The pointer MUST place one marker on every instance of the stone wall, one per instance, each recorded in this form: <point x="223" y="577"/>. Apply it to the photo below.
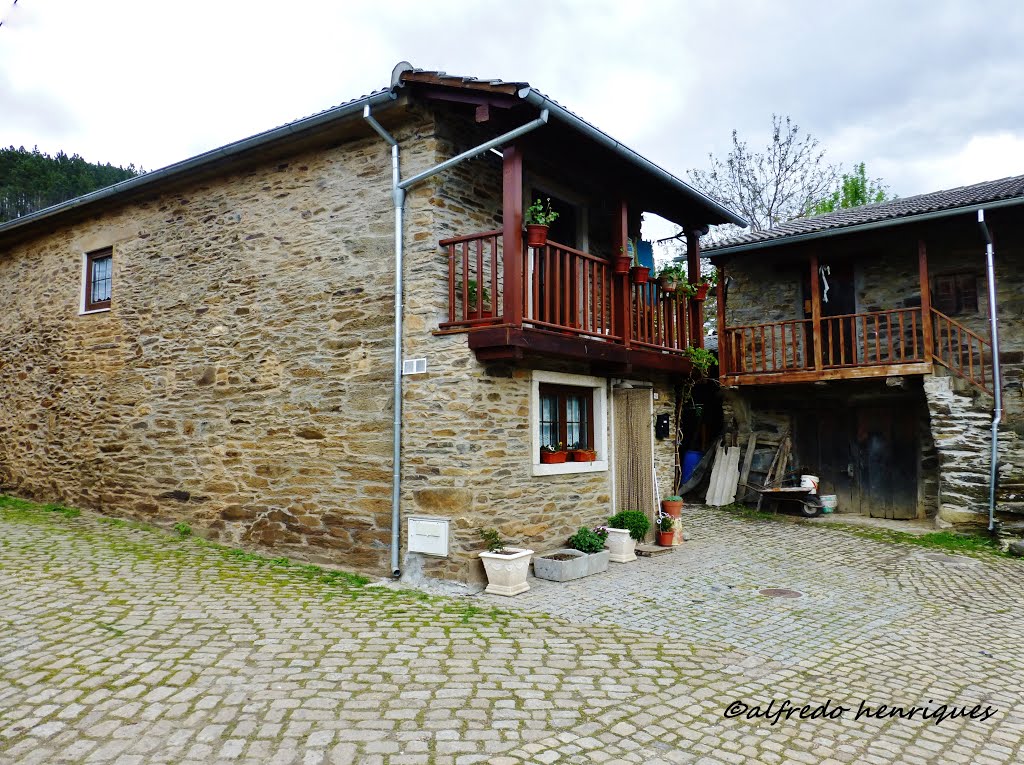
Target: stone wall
<point x="240" y="382"/>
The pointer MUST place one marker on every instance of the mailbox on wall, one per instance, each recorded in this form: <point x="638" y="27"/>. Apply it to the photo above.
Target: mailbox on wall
<point x="429" y="536"/>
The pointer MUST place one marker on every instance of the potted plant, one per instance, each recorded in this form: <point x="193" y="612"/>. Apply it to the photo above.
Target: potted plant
<point x="671" y="276"/>
<point x="471" y="300"/>
<point x="621" y="262"/>
<point x="506" y="567"/>
<point x="539" y="218"/>
<point x="585" y="555"/>
<point x="701" y="359"/>
<point x="705" y="284"/>
<point x="639" y="274"/>
<point x="672" y="505"/>
<point x="552" y="454"/>
<point x="582" y="455"/>
<point x="625" y="529"/>
<point x="666" y="530"/>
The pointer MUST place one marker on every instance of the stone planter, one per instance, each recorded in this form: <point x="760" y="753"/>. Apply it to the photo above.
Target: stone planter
<point x="621" y="546"/>
<point x="580" y="566"/>
<point x="507" y="570"/>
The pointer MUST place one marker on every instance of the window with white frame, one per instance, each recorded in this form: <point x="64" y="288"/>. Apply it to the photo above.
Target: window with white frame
<point x="568" y="412"/>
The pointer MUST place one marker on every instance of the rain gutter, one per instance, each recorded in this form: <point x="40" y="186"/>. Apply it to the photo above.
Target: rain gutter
<point x="398" y="190"/>
<point x="541" y="101"/>
<point x="199" y="162"/>
<point x="842" y="231"/>
<point x="997" y="411"/>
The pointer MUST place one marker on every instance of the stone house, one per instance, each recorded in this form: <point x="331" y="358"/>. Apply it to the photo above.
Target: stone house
<point x="215" y="342"/>
<point x="864" y="335"/>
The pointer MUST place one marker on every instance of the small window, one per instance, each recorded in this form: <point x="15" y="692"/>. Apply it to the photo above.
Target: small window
<point x="98" y="272"/>
<point x="566" y="416"/>
<point x="956" y="294"/>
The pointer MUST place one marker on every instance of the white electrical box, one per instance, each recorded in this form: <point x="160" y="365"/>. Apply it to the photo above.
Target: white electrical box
<point x="429" y="536"/>
<point x="414" y="366"/>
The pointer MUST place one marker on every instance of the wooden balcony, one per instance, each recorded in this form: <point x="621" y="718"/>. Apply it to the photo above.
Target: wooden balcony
<point x="557" y="301"/>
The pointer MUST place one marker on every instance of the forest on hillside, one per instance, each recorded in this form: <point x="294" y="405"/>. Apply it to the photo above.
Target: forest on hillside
<point x="32" y="180"/>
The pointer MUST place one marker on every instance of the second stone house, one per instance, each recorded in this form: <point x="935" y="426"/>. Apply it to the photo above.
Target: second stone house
<point x="215" y="342"/>
<point x="864" y="336"/>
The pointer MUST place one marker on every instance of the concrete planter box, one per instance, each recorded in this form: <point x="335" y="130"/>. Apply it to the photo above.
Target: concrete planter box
<point x="580" y="566"/>
<point x="621" y="545"/>
<point x="506" y="571"/>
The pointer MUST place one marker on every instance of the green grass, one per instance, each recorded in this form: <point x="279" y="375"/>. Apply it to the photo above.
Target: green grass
<point x="183" y="529"/>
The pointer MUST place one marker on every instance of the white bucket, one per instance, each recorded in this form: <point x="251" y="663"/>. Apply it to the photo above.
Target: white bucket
<point x="810" y="482"/>
<point x="829" y="503"/>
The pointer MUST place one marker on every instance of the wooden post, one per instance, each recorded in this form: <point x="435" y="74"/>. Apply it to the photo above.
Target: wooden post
<point x="926" y="301"/>
<point x="513" y="254"/>
<point x="695" y="316"/>
<point x="622" y="294"/>
<point x="723" y="341"/>
<point x="816" y="312"/>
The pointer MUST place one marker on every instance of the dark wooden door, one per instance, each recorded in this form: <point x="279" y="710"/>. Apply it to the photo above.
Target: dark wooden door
<point x="886" y="464"/>
<point x="837" y="329"/>
<point x="824" y="446"/>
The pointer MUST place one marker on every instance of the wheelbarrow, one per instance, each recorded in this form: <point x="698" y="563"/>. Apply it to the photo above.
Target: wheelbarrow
<point x="810" y="502"/>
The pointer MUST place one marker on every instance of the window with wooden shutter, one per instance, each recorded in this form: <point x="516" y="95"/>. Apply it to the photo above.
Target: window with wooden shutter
<point x="954" y="294"/>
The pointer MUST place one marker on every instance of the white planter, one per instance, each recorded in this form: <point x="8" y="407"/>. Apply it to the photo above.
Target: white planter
<point x="564" y="570"/>
<point x="621" y="545"/>
<point x="507" y="570"/>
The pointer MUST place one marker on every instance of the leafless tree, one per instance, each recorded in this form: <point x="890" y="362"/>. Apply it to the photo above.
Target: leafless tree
<point x="782" y="182"/>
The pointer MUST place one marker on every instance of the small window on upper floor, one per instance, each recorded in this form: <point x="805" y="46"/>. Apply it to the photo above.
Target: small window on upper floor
<point x="99" y="269"/>
<point x="955" y="294"/>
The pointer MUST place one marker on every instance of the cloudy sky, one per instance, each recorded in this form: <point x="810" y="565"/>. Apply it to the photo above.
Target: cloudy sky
<point x="929" y="94"/>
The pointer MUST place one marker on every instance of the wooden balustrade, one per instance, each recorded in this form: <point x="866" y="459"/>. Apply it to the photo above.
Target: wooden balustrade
<point x="567" y="289"/>
<point x="850" y="341"/>
<point x="474" y="279"/>
<point x="965" y="353"/>
<point x="658" y="318"/>
<point x="779" y="346"/>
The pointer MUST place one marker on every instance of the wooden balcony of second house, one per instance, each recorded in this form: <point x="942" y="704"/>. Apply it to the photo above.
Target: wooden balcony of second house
<point x="560" y="302"/>
<point x="878" y="343"/>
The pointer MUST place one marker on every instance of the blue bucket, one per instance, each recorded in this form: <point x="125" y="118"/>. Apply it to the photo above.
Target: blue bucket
<point x="690" y="460"/>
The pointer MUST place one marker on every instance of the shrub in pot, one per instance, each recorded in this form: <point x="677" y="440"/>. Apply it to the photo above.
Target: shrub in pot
<point x="539" y="218"/>
<point x="506" y="567"/>
<point x="666" y="530"/>
<point x="585" y="555"/>
<point x="625" y="529"/>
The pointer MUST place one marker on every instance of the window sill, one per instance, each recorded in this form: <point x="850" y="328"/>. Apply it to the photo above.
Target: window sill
<point x="94" y="310"/>
<point x="563" y="468"/>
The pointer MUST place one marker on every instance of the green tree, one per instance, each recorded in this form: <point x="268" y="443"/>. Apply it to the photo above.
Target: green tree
<point x="853" y="190"/>
<point x="32" y="180"/>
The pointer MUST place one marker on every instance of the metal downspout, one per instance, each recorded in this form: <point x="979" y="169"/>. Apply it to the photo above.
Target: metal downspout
<point x="398" y="189"/>
<point x="997" y="412"/>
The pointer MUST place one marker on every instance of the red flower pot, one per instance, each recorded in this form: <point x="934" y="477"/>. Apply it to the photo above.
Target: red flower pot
<point x="666" y="538"/>
<point x="536" y="235"/>
<point x="702" y="292"/>
<point x="583" y="455"/>
<point x="640" y="274"/>
<point x="675" y="509"/>
<point x="620" y="264"/>
<point x="552" y="458"/>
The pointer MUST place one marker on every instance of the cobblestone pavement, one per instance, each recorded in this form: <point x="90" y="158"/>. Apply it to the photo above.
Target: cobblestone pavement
<point x="123" y="645"/>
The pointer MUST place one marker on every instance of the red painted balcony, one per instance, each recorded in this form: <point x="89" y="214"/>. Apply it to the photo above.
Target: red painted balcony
<point x="565" y="303"/>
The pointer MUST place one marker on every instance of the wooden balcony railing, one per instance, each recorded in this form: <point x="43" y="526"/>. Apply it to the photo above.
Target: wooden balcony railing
<point x="963" y="352"/>
<point x="564" y="290"/>
<point x="659" y="318"/>
<point x="857" y="341"/>
<point x="474" y="279"/>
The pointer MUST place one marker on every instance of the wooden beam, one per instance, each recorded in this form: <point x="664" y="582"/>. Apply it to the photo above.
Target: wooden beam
<point x="816" y="312"/>
<point x="926" y="299"/>
<point x="622" y="292"/>
<point x="723" y="340"/>
<point x="695" y="315"/>
<point x="512" y="234"/>
<point x="847" y="373"/>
